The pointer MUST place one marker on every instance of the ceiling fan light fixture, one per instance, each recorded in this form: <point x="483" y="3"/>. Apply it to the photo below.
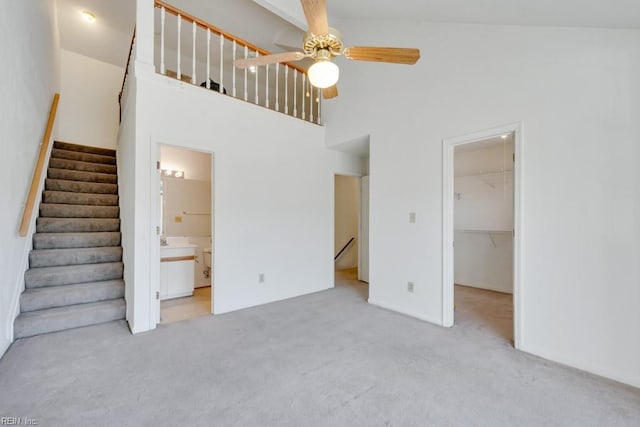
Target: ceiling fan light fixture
<point x="323" y="74"/>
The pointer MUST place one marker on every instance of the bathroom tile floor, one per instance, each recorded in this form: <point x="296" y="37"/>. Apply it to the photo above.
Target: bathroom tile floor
<point x="174" y="310"/>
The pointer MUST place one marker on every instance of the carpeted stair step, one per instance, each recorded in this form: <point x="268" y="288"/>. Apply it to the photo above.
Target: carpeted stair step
<point x="74" y="256"/>
<point x="54" y="210"/>
<point x="70" y="274"/>
<point x="81" y="166"/>
<point x="84" y="148"/>
<point x="73" y="316"/>
<point x="87" y="199"/>
<point x="80" y="186"/>
<point x="75" y="240"/>
<point x="76" y="225"/>
<point x="82" y="157"/>
<point x="79" y="293"/>
<point x="72" y="175"/>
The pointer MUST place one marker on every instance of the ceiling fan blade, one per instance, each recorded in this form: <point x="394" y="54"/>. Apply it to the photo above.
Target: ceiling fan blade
<point x="330" y="92"/>
<point x="316" y="13"/>
<point x="269" y="59"/>
<point x="395" y="55"/>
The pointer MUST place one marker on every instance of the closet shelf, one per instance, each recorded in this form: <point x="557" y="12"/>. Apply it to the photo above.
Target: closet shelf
<point x="495" y="173"/>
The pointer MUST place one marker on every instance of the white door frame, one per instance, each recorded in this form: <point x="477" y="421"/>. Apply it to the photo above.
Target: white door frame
<point x="448" y="146"/>
<point x="154" y="268"/>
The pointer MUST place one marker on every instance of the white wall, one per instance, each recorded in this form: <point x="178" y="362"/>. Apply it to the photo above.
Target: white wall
<point x="483" y="216"/>
<point x="577" y="94"/>
<point x="272" y="194"/>
<point x="347" y="203"/>
<point x="89" y="113"/>
<point x="30" y="61"/>
<point x="195" y="164"/>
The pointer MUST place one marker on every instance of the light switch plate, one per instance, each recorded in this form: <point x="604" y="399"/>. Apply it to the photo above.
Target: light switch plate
<point x="412" y="217"/>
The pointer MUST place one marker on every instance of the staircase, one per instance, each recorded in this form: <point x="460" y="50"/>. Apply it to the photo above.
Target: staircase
<point x="75" y="268"/>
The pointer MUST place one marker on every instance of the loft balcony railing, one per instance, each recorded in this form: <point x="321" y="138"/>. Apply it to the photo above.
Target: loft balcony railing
<point x="196" y="52"/>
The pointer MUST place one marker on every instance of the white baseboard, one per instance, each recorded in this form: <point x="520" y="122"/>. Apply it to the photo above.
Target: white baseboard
<point x="581" y="365"/>
<point x="397" y="309"/>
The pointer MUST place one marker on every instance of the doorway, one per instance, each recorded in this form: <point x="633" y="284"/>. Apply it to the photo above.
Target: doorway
<point x="481" y="184"/>
<point x="351" y="233"/>
<point x="186" y="254"/>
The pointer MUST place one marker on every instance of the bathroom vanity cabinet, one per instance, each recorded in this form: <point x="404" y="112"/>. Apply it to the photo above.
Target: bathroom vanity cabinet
<point x="177" y="264"/>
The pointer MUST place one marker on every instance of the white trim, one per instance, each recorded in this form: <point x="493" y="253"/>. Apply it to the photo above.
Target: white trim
<point x="448" y="146"/>
<point x="154" y="220"/>
<point x="401" y="310"/>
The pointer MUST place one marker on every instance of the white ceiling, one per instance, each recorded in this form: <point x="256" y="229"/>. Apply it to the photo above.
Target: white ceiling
<point x="109" y="37"/>
<point x="570" y="13"/>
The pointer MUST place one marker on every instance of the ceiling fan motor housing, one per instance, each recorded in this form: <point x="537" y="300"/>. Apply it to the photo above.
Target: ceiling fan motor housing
<point x="314" y="44"/>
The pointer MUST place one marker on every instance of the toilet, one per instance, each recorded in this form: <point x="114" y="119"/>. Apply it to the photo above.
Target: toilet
<point x="207" y="258"/>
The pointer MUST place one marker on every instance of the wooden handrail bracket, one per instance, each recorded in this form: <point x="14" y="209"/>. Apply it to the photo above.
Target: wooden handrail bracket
<point x="38" y="171"/>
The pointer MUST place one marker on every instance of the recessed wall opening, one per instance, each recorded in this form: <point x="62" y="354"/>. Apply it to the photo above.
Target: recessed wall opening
<point x="351" y="248"/>
<point x="481" y="232"/>
<point x="186" y="267"/>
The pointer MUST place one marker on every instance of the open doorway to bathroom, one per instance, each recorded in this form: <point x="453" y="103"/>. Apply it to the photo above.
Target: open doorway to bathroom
<point x="351" y="233"/>
<point x="186" y="267"/>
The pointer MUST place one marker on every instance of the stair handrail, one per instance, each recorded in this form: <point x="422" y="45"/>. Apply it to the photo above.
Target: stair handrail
<point x="344" y="248"/>
<point x="37" y="173"/>
<point x="126" y="71"/>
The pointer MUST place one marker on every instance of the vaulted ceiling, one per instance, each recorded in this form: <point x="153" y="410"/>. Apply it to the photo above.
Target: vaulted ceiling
<point x="108" y="38"/>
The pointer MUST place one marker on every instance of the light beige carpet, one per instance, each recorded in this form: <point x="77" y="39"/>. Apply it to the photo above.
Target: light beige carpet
<point x="326" y="359"/>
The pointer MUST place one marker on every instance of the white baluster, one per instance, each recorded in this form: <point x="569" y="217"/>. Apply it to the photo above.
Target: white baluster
<point x="208" y="82"/>
<point x="234" y="69"/>
<point x="256" y="80"/>
<point x="286" y="89"/>
<point x="193" y="59"/>
<point x="163" y="14"/>
<point x="295" y="92"/>
<point x="277" y="85"/>
<point x="266" y="86"/>
<point x="304" y="87"/>
<point x="310" y="102"/>
<point x="220" y="85"/>
<point x="179" y="70"/>
<point x="246" y="92"/>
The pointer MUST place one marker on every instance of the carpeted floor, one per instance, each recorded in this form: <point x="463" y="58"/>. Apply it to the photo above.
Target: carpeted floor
<point x="327" y="359"/>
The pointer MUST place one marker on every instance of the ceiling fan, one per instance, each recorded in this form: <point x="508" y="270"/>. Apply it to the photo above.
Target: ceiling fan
<point x="322" y="43"/>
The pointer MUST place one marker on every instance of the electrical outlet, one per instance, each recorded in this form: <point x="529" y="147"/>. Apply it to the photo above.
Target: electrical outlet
<point x="412" y="217"/>
<point x="410" y="287"/>
<point x="261" y="278"/>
